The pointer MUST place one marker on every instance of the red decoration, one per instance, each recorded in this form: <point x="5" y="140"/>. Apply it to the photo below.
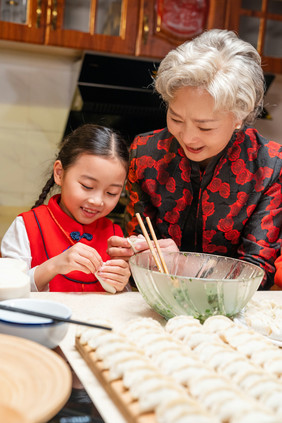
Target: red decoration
<point x="182" y="18"/>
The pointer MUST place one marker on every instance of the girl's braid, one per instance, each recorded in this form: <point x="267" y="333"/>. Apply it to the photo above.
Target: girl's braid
<point x="49" y="184"/>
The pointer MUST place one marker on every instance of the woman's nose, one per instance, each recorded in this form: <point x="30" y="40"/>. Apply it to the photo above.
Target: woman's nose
<point x="189" y="135"/>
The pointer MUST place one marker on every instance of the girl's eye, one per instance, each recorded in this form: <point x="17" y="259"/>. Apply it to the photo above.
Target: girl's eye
<point x="112" y="194"/>
<point x="84" y="186"/>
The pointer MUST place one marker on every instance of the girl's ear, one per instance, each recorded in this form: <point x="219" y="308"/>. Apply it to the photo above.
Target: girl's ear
<point x="58" y="172"/>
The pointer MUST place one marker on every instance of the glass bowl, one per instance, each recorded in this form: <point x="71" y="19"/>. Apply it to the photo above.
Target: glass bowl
<point x="198" y="284"/>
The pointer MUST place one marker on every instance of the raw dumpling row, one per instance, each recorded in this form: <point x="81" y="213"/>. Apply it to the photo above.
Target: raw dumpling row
<point x="172" y="371"/>
<point x="246" y="358"/>
<point x="146" y="382"/>
<point x="189" y="366"/>
<point x="265" y="317"/>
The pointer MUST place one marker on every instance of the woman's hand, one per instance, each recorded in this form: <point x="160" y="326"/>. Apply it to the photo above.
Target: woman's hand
<point x="140" y="244"/>
<point x="119" y="248"/>
<point x="168" y="245"/>
<point x="115" y="272"/>
<point x="79" y="257"/>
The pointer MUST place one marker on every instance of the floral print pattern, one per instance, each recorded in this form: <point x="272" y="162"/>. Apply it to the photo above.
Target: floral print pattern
<point x="239" y="203"/>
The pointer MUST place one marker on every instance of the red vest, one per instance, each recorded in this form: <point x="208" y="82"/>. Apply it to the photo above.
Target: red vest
<point x="47" y="240"/>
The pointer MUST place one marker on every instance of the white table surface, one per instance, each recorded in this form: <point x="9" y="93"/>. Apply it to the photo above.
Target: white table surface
<point x="118" y="309"/>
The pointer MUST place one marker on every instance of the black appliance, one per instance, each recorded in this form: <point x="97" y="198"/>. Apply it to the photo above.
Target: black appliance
<point x="117" y="92"/>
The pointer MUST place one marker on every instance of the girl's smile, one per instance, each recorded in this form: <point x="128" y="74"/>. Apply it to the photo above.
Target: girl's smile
<point x="91" y="187"/>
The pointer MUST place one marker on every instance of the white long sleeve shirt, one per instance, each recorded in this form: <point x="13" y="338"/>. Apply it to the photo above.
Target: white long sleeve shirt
<point x="15" y="244"/>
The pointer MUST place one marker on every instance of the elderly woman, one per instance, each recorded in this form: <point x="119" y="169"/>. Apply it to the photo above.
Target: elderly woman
<point x="209" y="181"/>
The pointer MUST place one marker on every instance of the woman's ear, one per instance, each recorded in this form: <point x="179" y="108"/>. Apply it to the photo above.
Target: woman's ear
<point x="238" y="125"/>
<point x="58" y="172"/>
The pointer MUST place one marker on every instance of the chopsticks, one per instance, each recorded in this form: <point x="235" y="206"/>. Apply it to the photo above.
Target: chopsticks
<point x="161" y="265"/>
<point x="51" y="316"/>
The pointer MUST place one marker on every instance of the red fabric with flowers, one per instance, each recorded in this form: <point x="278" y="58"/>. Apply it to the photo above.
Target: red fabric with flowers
<point x="240" y="201"/>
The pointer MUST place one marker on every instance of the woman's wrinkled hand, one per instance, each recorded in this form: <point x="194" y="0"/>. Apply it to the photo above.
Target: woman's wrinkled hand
<point x="119" y="248"/>
<point x="168" y="245"/>
<point x="139" y="244"/>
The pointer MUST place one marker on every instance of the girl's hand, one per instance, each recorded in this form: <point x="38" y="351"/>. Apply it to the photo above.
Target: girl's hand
<point x="79" y="257"/>
<point x="115" y="272"/>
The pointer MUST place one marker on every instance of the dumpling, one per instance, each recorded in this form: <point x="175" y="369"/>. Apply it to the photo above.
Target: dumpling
<point x="175" y="408"/>
<point x="153" y="398"/>
<point x="234" y="367"/>
<point x="139" y="373"/>
<point x="217" y="323"/>
<point x="256" y="416"/>
<point x="180" y="321"/>
<point x="148" y="384"/>
<point x="196" y="338"/>
<point x="222" y="358"/>
<point x="118" y="370"/>
<point x="118" y="357"/>
<point x="110" y="348"/>
<point x="273" y="400"/>
<point x="201" y="385"/>
<point x="103" y="338"/>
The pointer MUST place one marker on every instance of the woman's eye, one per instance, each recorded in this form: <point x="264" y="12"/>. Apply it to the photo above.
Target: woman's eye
<point x="205" y="129"/>
<point x="176" y="120"/>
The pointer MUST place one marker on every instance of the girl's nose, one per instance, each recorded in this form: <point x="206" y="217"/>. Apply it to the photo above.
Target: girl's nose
<point x="97" y="200"/>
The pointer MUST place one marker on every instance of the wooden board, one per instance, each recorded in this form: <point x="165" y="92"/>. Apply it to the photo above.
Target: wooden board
<point x="120" y="395"/>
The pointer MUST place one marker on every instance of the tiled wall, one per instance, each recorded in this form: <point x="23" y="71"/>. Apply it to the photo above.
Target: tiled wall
<point x="36" y="90"/>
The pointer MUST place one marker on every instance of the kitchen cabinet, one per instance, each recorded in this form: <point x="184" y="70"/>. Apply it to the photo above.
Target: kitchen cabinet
<point x="100" y="25"/>
<point x="23" y="20"/>
<point x="260" y="23"/>
<point x="145" y="28"/>
<point x="148" y="28"/>
<point x="165" y="24"/>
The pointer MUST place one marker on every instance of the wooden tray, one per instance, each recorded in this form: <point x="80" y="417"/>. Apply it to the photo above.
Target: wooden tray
<point x="34" y="381"/>
<point x="120" y="395"/>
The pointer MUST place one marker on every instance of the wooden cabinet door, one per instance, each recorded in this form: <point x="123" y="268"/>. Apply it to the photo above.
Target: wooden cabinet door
<point x="260" y="23"/>
<point x="23" y="20"/>
<point x="165" y="24"/>
<point x="100" y="25"/>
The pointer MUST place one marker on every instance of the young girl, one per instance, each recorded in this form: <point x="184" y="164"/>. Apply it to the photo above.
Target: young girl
<point x="65" y="241"/>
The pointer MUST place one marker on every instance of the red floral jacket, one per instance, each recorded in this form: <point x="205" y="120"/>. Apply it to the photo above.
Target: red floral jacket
<point x="239" y="205"/>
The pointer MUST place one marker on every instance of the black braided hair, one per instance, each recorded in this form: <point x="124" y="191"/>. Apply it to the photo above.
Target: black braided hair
<point x="87" y="139"/>
<point x="46" y="189"/>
